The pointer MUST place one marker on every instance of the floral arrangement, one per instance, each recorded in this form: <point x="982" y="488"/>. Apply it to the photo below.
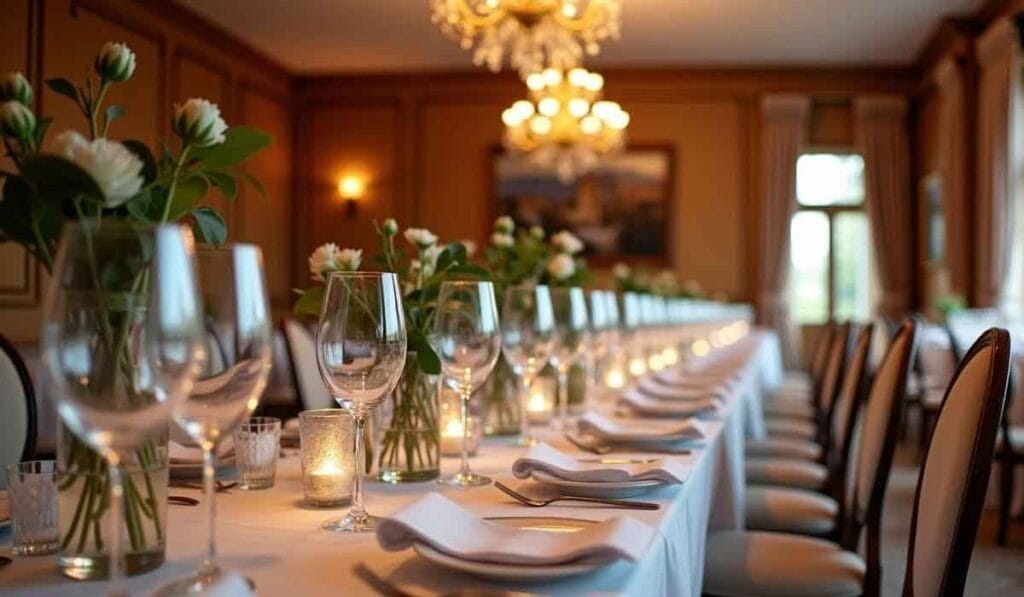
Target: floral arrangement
<point x="662" y="283"/>
<point x="91" y="177"/>
<point x="522" y="256"/>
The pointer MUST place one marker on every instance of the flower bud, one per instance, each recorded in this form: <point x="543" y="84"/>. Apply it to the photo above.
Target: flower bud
<point x="421" y="237"/>
<point x="198" y="123"/>
<point x="14" y="87"/>
<point x="390" y="227"/>
<point x="115" y="62"/>
<point x="505" y="225"/>
<point x="17" y="121"/>
<point x="561" y="266"/>
<point x="537" y="232"/>
<point x="502" y="240"/>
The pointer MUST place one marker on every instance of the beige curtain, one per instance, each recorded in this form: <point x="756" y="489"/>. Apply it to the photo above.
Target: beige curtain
<point x="948" y="77"/>
<point x="783" y="132"/>
<point x="998" y="52"/>
<point x="881" y="136"/>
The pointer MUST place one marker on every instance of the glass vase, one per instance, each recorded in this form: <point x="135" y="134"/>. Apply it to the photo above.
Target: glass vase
<point x="83" y="508"/>
<point x="499" y="402"/>
<point x="408" y="440"/>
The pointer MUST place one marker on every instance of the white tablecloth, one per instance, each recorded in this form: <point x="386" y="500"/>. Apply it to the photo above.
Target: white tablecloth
<point x="275" y="540"/>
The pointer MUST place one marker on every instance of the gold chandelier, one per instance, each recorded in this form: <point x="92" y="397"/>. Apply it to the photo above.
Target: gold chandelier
<point x="536" y="33"/>
<point x="565" y="125"/>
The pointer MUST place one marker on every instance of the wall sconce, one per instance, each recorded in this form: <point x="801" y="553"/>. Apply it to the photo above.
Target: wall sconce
<point x="351" y="189"/>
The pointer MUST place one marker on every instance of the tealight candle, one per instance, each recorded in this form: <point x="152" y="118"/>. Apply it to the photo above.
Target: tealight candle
<point x="452" y="429"/>
<point x="541" y="404"/>
<point x="327" y="443"/>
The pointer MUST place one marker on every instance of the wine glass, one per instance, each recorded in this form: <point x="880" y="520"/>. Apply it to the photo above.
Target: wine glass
<point x="360" y="352"/>
<point x="571" y="338"/>
<point x="527" y="337"/>
<point x="238" y="339"/>
<point x="122" y="343"/>
<point x="468" y="342"/>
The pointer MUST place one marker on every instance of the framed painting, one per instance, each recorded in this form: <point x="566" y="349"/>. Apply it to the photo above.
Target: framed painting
<point x="620" y="209"/>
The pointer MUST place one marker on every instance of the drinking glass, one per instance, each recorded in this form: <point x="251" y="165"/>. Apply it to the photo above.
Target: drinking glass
<point x="237" y="339"/>
<point x="360" y="350"/>
<point x="468" y="342"/>
<point x="122" y="343"/>
<point x="571" y="337"/>
<point x="32" y="488"/>
<point x="599" y="323"/>
<point x="527" y="337"/>
<point x="257" y="444"/>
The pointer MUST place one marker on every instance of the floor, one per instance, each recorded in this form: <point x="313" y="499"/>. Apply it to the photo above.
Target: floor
<point x="996" y="571"/>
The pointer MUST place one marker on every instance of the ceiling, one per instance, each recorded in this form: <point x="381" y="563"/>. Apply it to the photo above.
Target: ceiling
<point x="342" y="36"/>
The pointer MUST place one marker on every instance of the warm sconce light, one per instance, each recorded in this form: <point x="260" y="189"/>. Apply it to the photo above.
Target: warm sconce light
<point x="351" y="189"/>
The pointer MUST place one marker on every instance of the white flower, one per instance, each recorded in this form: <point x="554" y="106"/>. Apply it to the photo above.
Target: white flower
<point x="116" y="170"/>
<point x="324" y="259"/>
<point x="430" y="256"/>
<point x="115" y="62"/>
<point x="470" y="247"/>
<point x="14" y="87"/>
<point x="17" y="121"/>
<point x="567" y="242"/>
<point x="502" y="240"/>
<point x="348" y="260"/>
<point x="505" y="224"/>
<point x="198" y="123"/>
<point x="537" y="232"/>
<point x="421" y="237"/>
<point x="390" y="227"/>
<point x="561" y="266"/>
<point x="621" y="271"/>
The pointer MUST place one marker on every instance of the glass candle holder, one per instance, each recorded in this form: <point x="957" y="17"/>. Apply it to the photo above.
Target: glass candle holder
<point x="451" y="427"/>
<point x="32" y="491"/>
<point x="540" y="406"/>
<point x="257" y="444"/>
<point x="327" y="442"/>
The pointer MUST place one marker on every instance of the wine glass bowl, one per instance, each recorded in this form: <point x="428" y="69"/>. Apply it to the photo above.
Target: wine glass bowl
<point x="572" y="335"/>
<point x="528" y="328"/>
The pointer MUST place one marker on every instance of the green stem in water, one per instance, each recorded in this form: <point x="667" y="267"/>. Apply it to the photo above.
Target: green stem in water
<point x="174" y="182"/>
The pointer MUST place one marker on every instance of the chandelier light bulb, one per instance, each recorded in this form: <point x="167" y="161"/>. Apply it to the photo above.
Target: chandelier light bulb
<point x="591" y="125"/>
<point x="595" y="82"/>
<point x="540" y="125"/>
<point x="549" y="106"/>
<point x="552" y="77"/>
<point x="578" y="77"/>
<point x="578" y="107"/>
<point x="535" y="82"/>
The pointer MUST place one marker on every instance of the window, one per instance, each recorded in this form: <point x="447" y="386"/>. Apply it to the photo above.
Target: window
<point x="831" y="263"/>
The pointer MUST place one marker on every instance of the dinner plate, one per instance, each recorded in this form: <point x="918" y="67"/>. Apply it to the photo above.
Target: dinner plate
<point x="518" y="572"/>
<point x="5" y="510"/>
<point x="621" y="489"/>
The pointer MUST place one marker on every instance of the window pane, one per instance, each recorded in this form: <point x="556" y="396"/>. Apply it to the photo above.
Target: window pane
<point x="854" y="265"/>
<point x="808" y="253"/>
<point x="830" y="179"/>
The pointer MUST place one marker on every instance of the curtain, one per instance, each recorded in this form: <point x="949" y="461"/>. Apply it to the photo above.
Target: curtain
<point x="952" y="149"/>
<point x="998" y="52"/>
<point x="881" y="136"/>
<point x="783" y="132"/>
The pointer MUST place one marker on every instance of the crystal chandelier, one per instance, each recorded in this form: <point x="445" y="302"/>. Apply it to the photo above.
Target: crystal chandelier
<point x="565" y="125"/>
<point x="536" y="33"/>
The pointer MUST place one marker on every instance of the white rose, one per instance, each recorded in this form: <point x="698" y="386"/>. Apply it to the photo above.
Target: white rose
<point x="390" y="227"/>
<point x="323" y="260"/>
<point x="430" y="256"/>
<point x="421" y="237"/>
<point x="621" y="271"/>
<point x="470" y="247"/>
<point x="116" y="170"/>
<point x="15" y="87"/>
<point x="17" y="121"/>
<point x="502" y="240"/>
<point x="505" y="224"/>
<point x="198" y="123"/>
<point x="115" y="62"/>
<point x="348" y="260"/>
<point x="537" y="232"/>
<point x="567" y="242"/>
<point x="692" y="287"/>
<point x="561" y="266"/>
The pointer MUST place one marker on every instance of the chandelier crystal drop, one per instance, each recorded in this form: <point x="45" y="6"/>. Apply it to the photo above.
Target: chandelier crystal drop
<point x="565" y="125"/>
<point x="536" y="34"/>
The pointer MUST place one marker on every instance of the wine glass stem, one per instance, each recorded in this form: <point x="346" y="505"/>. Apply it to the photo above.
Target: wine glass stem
<point x="209" y="494"/>
<point x="464" y="404"/>
<point x="563" y="396"/>
<point x="357" y="511"/>
<point x="116" y="587"/>
<point x="524" y="407"/>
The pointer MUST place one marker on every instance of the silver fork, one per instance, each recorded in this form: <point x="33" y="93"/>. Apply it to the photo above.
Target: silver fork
<point x="536" y="503"/>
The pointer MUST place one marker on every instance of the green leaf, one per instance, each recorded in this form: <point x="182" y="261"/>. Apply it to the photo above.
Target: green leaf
<point x="471" y="270"/>
<point x="210" y="225"/>
<point x="111" y="114"/>
<point x="253" y="182"/>
<point x="224" y="182"/>
<point x="149" y="170"/>
<point x="63" y="87"/>
<point x="58" y="179"/>
<point x="186" y="194"/>
<point x="147" y="206"/>
<point x="426" y="358"/>
<point x="239" y="144"/>
<point x="310" y="301"/>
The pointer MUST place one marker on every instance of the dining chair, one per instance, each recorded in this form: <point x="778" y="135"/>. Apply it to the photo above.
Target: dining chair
<point x="795" y="395"/>
<point x="938" y="358"/>
<point x="1009" y="455"/>
<point x="947" y="504"/>
<point x="302" y="352"/>
<point x="17" y="409"/>
<point x="773" y="508"/>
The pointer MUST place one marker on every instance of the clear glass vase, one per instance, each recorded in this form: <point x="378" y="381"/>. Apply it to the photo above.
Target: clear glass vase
<point x="84" y="508"/>
<point x="407" y="434"/>
<point x="499" y="402"/>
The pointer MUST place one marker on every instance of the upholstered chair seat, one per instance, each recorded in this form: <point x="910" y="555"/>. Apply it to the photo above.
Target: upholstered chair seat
<point x="793" y="427"/>
<point x="786" y="472"/>
<point x="786" y="510"/>
<point x="1016" y="438"/>
<point x="775" y="564"/>
<point x="790" y="407"/>
<point x="785" y="447"/>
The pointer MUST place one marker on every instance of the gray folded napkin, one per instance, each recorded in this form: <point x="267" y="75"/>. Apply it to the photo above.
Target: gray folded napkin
<point x="656" y="389"/>
<point x="646" y="406"/>
<point x="639" y="430"/>
<point x="543" y="457"/>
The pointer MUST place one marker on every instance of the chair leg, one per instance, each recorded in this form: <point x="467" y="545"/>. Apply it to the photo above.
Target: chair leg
<point x="1005" y="499"/>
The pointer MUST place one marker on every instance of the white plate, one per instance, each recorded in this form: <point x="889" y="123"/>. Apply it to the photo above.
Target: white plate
<point x="5" y="510"/>
<point x="622" y="489"/>
<point x="518" y="572"/>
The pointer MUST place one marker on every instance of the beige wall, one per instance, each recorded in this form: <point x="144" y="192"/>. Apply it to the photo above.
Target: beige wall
<point x="177" y="57"/>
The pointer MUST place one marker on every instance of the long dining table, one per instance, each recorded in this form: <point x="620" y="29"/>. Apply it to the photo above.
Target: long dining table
<point x="272" y="538"/>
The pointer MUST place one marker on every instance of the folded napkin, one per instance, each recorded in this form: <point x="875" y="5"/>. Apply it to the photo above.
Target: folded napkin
<point x="656" y="389"/>
<point x="444" y="525"/>
<point x="676" y="376"/>
<point x="639" y="430"/>
<point x="652" y="407"/>
<point x="543" y="457"/>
